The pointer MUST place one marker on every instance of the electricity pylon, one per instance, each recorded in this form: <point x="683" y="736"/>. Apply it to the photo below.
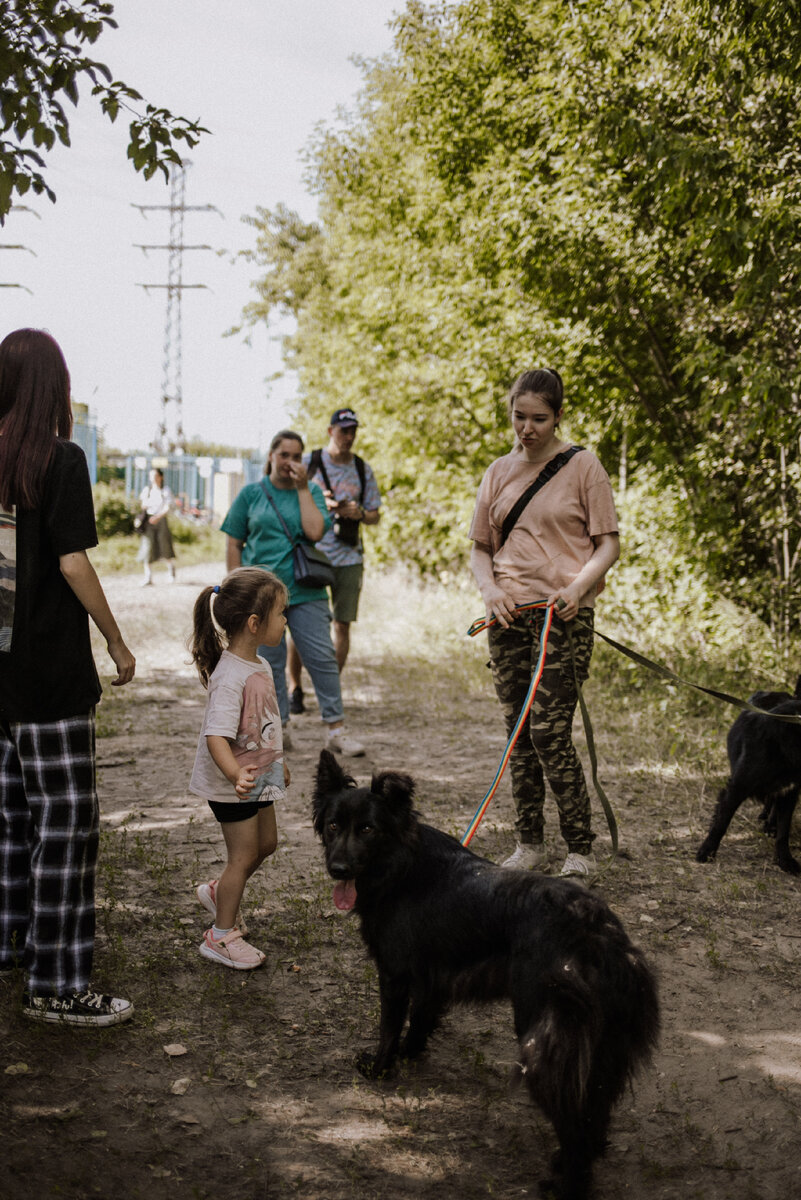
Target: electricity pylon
<point x="170" y="430"/>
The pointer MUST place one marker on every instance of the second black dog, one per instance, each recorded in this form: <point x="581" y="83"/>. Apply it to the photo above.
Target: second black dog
<point x="445" y="926"/>
<point x="765" y="762"/>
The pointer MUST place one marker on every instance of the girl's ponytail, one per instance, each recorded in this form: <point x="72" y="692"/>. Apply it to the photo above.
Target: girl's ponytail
<point x="206" y="644"/>
<point x="221" y="612"/>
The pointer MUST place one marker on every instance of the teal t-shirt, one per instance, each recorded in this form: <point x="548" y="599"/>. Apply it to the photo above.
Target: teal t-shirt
<point x="253" y="520"/>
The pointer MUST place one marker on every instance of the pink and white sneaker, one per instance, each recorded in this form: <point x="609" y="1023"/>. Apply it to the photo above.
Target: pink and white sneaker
<point x="207" y="895"/>
<point x="231" y="950"/>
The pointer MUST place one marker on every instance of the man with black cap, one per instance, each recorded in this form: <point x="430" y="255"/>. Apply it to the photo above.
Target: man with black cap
<point x="351" y="494"/>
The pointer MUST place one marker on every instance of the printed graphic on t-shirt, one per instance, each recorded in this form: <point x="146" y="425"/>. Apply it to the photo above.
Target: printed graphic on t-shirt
<point x="258" y="741"/>
<point x="8" y="576"/>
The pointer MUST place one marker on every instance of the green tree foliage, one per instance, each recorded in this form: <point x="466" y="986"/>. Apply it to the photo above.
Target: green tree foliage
<point x="200" y="448"/>
<point x="608" y="187"/>
<point x="42" y="63"/>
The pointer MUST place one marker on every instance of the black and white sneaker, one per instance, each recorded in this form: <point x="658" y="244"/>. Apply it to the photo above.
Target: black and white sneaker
<point x="78" y="1008"/>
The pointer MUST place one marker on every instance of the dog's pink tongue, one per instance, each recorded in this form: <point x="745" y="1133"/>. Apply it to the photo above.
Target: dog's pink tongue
<point x="345" y="895"/>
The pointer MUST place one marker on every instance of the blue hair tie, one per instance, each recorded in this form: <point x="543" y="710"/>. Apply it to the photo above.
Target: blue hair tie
<point x="216" y="588"/>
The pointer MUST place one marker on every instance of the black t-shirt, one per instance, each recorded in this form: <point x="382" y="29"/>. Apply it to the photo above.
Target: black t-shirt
<point x="47" y="671"/>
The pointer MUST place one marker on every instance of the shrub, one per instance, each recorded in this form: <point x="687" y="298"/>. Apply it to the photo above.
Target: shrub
<point x="113" y="512"/>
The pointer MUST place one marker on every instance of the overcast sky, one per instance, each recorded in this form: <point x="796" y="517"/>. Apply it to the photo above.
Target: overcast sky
<point x="259" y="74"/>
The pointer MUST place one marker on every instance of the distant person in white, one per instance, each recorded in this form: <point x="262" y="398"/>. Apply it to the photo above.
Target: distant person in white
<point x="156" y="500"/>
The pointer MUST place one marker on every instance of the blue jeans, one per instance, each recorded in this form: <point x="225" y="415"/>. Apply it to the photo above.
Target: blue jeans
<point x="310" y="626"/>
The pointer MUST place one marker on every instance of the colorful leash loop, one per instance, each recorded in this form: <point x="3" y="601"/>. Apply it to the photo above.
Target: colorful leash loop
<point x="478" y="627"/>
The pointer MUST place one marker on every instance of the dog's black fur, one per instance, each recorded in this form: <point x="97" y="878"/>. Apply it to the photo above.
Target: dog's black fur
<point x="765" y="762"/>
<point x="445" y="926"/>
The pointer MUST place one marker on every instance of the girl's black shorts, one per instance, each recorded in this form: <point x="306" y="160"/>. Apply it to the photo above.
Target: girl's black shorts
<point x="225" y="812"/>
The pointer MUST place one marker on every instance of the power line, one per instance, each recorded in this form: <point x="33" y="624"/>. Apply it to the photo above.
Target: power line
<point x="19" y="246"/>
<point x="167" y="439"/>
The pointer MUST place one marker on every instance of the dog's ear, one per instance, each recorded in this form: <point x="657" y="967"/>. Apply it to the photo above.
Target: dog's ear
<point x="330" y="778"/>
<point x="397" y="788"/>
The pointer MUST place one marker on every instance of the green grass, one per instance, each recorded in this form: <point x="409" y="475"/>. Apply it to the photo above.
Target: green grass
<point x="193" y="544"/>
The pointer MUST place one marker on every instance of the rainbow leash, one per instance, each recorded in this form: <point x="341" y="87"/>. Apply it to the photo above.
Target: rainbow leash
<point x="478" y="627"/>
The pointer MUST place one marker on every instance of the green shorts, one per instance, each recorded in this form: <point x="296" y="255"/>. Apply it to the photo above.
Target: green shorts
<point x="345" y="592"/>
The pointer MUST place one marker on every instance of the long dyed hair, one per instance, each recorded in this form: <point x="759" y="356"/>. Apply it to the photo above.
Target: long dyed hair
<point x="34" y="410"/>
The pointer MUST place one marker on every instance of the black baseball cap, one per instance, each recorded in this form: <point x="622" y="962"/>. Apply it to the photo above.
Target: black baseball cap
<point x="345" y="417"/>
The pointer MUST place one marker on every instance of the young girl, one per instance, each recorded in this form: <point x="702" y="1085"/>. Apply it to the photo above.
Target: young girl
<point x="239" y="765"/>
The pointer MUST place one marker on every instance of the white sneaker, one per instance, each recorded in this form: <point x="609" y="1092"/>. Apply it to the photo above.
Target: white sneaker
<point x="529" y="856"/>
<point x="341" y="744"/>
<point x="582" y="866"/>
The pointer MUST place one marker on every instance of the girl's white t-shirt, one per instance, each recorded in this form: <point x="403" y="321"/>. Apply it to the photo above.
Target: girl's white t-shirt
<point x="243" y="708"/>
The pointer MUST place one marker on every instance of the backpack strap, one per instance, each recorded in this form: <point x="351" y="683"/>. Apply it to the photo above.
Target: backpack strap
<point x="361" y="473"/>
<point x="316" y="465"/>
<point x="547" y="473"/>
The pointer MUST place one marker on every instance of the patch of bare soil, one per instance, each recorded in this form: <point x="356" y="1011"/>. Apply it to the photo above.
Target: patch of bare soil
<point x="242" y="1085"/>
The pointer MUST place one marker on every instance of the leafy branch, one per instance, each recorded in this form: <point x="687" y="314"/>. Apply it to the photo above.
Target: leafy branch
<point x="42" y="63"/>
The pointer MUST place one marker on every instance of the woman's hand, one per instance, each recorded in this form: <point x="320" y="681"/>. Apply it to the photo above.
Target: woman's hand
<point x="498" y="604"/>
<point x="605" y="553"/>
<point x="566" y="602"/>
<point x="123" y="660"/>
<point x="298" y="474"/>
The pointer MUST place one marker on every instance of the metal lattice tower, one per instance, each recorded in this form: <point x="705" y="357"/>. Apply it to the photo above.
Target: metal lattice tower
<point x="170" y="430"/>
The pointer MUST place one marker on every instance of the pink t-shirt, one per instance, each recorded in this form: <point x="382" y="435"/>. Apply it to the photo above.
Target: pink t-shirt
<point x="553" y="537"/>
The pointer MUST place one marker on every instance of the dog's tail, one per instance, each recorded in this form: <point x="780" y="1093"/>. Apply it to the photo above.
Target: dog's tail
<point x="597" y="1024"/>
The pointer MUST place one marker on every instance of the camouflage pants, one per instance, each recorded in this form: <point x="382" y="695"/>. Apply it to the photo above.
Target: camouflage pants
<point x="545" y="747"/>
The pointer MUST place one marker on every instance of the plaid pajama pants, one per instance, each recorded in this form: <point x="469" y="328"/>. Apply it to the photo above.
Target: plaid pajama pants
<point x="545" y="747"/>
<point x="49" y="828"/>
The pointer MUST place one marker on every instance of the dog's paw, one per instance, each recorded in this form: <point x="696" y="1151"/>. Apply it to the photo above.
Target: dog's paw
<point x="370" y="1066"/>
<point x="704" y="853"/>
<point x="789" y="864"/>
<point x="411" y="1050"/>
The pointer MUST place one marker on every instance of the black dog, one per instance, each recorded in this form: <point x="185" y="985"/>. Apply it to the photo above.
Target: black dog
<point x="765" y="762"/>
<point x="445" y="926"/>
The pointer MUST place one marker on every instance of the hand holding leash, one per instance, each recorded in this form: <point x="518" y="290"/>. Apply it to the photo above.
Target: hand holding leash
<point x="566" y="608"/>
<point x="499" y="606"/>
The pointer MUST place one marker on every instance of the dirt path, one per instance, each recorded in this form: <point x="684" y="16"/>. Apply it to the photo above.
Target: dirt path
<point x="243" y="1088"/>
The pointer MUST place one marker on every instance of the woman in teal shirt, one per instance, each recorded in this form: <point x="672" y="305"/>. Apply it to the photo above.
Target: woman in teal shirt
<point x="256" y="537"/>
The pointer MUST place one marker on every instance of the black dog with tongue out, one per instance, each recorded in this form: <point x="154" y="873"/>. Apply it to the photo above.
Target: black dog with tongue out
<point x="445" y="926"/>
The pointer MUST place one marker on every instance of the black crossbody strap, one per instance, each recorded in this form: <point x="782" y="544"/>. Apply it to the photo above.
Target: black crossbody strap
<point x="266" y="491"/>
<point x="546" y="474"/>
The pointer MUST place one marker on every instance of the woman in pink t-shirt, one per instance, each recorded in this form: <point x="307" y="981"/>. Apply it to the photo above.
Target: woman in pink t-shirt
<point x="559" y="549"/>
